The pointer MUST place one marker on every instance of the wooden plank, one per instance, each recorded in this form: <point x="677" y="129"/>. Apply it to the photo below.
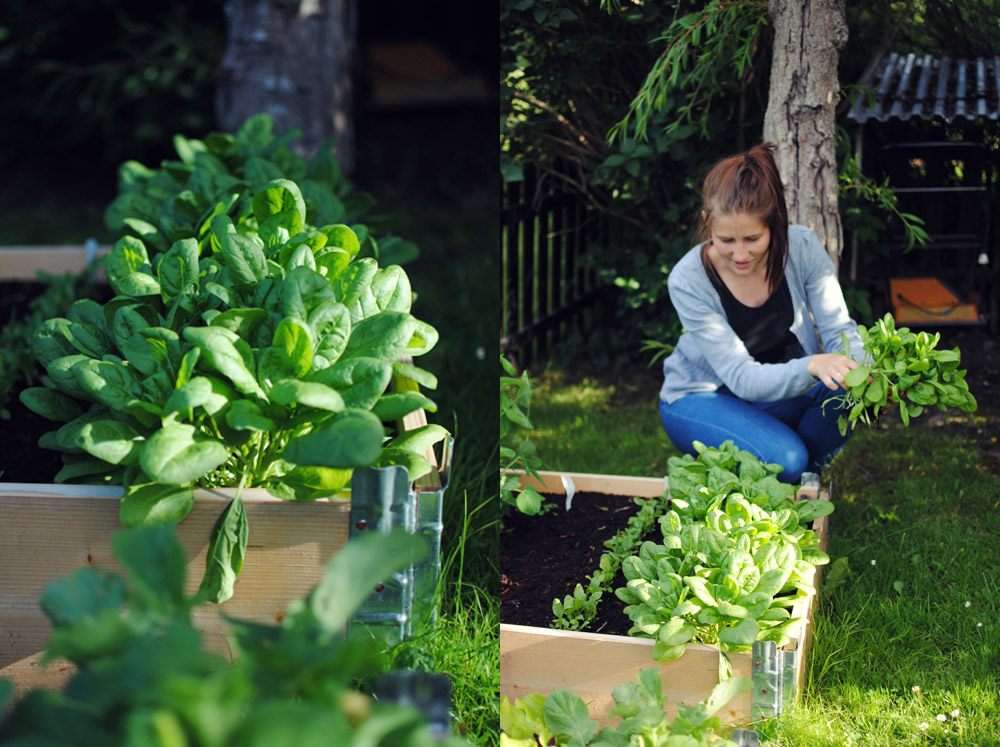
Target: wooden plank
<point x="638" y="487"/>
<point x="24" y="263"/>
<point x="50" y="531"/>
<point x="593" y="664"/>
<point x="542" y="660"/>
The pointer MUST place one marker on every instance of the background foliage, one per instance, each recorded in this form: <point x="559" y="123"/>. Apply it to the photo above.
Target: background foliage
<point x="626" y="104"/>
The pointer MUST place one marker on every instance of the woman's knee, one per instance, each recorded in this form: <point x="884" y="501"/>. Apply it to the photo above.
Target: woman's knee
<point x="794" y="458"/>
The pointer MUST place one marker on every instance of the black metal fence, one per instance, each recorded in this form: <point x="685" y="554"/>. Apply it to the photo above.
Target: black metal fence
<point x="551" y="289"/>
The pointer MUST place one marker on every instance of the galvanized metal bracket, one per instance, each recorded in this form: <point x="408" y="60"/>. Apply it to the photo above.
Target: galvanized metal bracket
<point x="383" y="498"/>
<point x="773" y="678"/>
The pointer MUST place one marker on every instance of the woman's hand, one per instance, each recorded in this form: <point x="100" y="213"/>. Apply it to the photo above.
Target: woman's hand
<point x="831" y="368"/>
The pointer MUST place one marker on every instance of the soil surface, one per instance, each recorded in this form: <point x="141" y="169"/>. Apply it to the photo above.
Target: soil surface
<point x="544" y="557"/>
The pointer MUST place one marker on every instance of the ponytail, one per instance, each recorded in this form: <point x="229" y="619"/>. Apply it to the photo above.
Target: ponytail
<point x="749" y="184"/>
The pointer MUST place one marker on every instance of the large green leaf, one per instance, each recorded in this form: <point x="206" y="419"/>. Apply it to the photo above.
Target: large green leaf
<point x="421" y="439"/>
<point x="111" y="384"/>
<point x="353" y="573"/>
<point x="225" y="553"/>
<point x="153" y="503"/>
<point x="353" y="439"/>
<point x="178" y="455"/>
<point x="416" y="465"/>
<point x="128" y="269"/>
<point x="244" y="415"/>
<point x="113" y="441"/>
<point x="307" y="393"/>
<point x="241" y="321"/>
<point x="383" y="336"/>
<point x="331" y="326"/>
<point x="220" y="347"/>
<point x="424" y="338"/>
<point x="153" y="350"/>
<point x="391" y="288"/>
<point x="243" y="254"/>
<point x="178" y="270"/>
<point x="309" y="483"/>
<point x="567" y="716"/>
<point x="360" y="381"/>
<point x="197" y="392"/>
<point x="342" y="237"/>
<point x="302" y="291"/>
<point x="280" y="211"/>
<point x="356" y="280"/>
<point x="394" y="406"/>
<point x="52" y="340"/>
<point x="742" y="634"/>
<point x="294" y="344"/>
<point x="50" y="404"/>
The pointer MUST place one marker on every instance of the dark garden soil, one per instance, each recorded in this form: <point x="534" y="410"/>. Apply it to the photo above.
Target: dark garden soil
<point x="545" y="557"/>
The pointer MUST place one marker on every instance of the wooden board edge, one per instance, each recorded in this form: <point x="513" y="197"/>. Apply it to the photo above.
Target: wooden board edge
<point x="624" y="485"/>
<point x="594" y="664"/>
<point x="24" y="262"/>
<point x="59" y="490"/>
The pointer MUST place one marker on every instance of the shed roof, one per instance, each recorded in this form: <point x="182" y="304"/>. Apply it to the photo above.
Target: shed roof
<point x="925" y="87"/>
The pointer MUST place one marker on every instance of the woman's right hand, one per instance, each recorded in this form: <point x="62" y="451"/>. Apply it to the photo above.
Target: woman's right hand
<point x="831" y="368"/>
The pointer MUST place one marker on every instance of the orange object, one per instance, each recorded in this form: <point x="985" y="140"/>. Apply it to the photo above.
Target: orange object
<point x="927" y="301"/>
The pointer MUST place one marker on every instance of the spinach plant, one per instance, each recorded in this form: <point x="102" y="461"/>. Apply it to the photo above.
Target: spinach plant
<point x="696" y="483"/>
<point x="258" y="354"/>
<point x="577" y="611"/>
<point x="903" y="367"/>
<point x="561" y="718"/>
<point x="223" y="171"/>
<point x="143" y="679"/>
<point x="735" y="556"/>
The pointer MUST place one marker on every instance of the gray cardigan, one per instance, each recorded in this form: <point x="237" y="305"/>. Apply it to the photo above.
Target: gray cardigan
<point x="709" y="354"/>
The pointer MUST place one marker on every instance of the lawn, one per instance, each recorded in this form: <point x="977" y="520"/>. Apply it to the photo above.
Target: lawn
<point x="907" y="643"/>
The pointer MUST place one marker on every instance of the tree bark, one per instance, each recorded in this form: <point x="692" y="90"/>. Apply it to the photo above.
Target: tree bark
<point x="804" y="90"/>
<point x="291" y="59"/>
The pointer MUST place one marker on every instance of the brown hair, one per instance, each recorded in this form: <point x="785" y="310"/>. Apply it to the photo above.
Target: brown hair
<point x="748" y="183"/>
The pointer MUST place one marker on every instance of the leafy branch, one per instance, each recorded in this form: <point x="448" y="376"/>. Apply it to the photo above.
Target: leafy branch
<point x="515" y="409"/>
<point x="698" y="45"/>
<point x="852" y="180"/>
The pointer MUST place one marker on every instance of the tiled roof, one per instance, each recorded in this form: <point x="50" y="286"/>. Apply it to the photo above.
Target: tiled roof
<point x="925" y="87"/>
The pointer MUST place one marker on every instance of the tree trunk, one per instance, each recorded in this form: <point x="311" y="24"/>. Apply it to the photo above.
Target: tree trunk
<point x="808" y="36"/>
<point x="291" y="59"/>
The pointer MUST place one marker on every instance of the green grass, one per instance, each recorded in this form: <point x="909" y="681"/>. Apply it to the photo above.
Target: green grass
<point x="921" y="502"/>
<point x="444" y="205"/>
<point x="586" y="424"/>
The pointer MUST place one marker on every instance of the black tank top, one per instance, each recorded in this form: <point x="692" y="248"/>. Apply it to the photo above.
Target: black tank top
<point x="765" y="329"/>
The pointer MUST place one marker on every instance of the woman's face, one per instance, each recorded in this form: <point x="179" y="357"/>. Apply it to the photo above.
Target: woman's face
<point x="741" y="241"/>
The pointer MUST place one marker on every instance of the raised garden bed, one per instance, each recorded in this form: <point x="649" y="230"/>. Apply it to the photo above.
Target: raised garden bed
<point x="24" y="263"/>
<point x="50" y="530"/>
<point x="535" y="659"/>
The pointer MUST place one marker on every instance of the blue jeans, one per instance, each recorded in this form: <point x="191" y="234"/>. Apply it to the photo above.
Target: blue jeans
<point x="791" y="432"/>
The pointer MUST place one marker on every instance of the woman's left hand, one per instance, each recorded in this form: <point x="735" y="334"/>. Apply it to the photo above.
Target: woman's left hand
<point x="831" y="368"/>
